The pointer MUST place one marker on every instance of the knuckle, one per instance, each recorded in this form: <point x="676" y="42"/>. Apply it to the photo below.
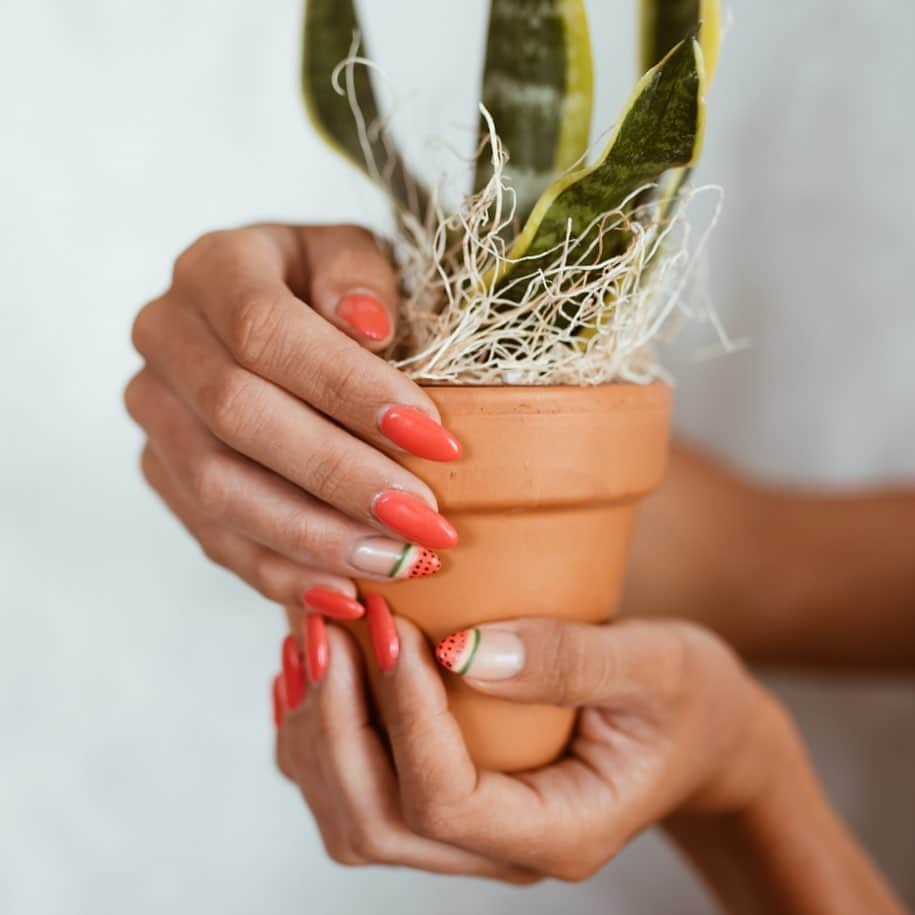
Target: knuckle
<point x="429" y="819"/>
<point x="208" y="484"/>
<point x="253" y="327"/>
<point x="346" y="384"/>
<point x="142" y="332"/>
<point x="340" y="852"/>
<point x="132" y="397"/>
<point x="311" y="542"/>
<point x="561" y="674"/>
<point x="190" y="261"/>
<point x="264" y="575"/>
<point x="213" y="549"/>
<point x="147" y="467"/>
<point x="328" y="473"/>
<point x="368" y="843"/>
<point x="223" y="402"/>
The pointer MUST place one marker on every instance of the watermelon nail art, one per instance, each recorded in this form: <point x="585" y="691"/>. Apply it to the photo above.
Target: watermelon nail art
<point x="395" y="559"/>
<point x="456" y="652"/>
<point x="486" y="653"/>
<point x="415" y="562"/>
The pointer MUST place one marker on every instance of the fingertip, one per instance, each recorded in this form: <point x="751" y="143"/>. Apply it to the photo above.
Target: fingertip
<point x="365" y="317"/>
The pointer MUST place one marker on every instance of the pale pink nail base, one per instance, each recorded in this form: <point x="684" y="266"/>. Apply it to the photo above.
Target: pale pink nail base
<point x="482" y="653"/>
<point x="394" y="559"/>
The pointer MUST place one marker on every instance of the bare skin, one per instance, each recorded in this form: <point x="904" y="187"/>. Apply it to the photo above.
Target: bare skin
<point x="260" y="406"/>
<point x="674" y="731"/>
<point x="786" y="577"/>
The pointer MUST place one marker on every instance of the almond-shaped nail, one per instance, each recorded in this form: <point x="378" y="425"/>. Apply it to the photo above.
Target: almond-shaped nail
<point x="411" y="518"/>
<point x="382" y="631"/>
<point x="482" y="653"/>
<point x="394" y="559"/>
<point x="365" y="314"/>
<point x="317" y="651"/>
<point x="333" y="603"/>
<point x="417" y="432"/>
<point x="293" y="675"/>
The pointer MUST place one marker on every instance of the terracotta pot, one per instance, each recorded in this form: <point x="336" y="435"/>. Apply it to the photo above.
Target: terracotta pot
<point x="543" y="500"/>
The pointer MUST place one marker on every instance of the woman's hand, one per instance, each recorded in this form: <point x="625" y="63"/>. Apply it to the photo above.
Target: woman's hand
<point x="673" y="730"/>
<point x="673" y="724"/>
<point x="270" y="423"/>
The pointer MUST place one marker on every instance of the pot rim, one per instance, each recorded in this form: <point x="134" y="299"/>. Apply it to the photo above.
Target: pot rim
<point x="531" y="399"/>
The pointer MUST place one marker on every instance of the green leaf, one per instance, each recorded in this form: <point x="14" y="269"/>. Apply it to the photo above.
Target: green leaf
<point x="538" y="87"/>
<point x="661" y="128"/>
<point x="331" y="36"/>
<point x="665" y="23"/>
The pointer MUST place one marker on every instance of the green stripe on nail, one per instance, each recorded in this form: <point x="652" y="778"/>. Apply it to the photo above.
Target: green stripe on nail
<point x="395" y="571"/>
<point x="470" y="652"/>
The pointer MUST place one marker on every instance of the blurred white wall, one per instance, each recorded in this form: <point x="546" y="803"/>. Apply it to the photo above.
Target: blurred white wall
<point x="135" y="770"/>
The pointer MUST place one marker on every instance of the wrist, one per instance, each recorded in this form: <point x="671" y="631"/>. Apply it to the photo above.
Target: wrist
<point x="783" y="848"/>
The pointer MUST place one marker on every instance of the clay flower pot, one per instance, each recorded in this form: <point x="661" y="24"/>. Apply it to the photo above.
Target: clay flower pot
<point x="543" y="500"/>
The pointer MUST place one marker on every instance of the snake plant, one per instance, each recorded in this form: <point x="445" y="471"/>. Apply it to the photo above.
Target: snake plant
<point x="537" y="87"/>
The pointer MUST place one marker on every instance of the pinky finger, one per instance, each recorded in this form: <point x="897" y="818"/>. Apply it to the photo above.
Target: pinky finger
<point x="277" y="578"/>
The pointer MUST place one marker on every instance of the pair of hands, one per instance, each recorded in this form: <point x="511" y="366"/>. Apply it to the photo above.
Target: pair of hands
<point x="671" y="726"/>
<point x="270" y="427"/>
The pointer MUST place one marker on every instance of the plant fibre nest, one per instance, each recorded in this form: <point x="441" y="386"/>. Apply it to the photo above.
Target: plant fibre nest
<point x="606" y="253"/>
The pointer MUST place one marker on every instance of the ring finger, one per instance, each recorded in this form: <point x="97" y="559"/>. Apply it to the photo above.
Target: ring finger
<point x="230" y="490"/>
<point x="275" y="577"/>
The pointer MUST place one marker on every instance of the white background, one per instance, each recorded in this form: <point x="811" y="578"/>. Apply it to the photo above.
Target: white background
<point x="135" y="769"/>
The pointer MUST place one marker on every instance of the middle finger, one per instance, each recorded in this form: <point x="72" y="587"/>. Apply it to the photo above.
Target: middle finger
<point x="280" y="432"/>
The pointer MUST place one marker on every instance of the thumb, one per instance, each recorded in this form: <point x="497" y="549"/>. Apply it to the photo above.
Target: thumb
<point x="351" y="282"/>
<point x="563" y="663"/>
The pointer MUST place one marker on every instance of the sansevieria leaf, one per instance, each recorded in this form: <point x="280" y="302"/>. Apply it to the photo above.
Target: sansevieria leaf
<point x="330" y="29"/>
<point x="538" y="87"/>
<point x="661" y="128"/>
<point x="665" y="23"/>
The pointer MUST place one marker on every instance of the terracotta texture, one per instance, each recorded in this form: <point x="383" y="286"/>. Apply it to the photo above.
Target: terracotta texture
<point x="543" y="499"/>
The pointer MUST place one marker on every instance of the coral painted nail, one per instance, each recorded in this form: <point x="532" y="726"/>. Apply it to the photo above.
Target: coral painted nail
<point x="317" y="651"/>
<point x="365" y="314"/>
<point x="333" y="603"/>
<point x="414" y="520"/>
<point x="483" y="653"/>
<point x="293" y="675"/>
<point x="416" y="432"/>
<point x="279" y="700"/>
<point x="382" y="631"/>
<point x="395" y="559"/>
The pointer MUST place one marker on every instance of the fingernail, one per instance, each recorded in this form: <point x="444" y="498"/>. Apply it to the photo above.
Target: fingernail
<point x="482" y="653"/>
<point x="333" y="603"/>
<point x="279" y="700"/>
<point x="414" y="520"/>
<point x="395" y="559"/>
<point x="417" y="432"/>
<point x="293" y="675"/>
<point x="317" y="651"/>
<point x="382" y="631"/>
<point x="365" y="314"/>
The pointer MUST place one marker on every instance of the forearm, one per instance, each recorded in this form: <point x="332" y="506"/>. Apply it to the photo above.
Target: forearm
<point x="785" y="578"/>
<point x="788" y="852"/>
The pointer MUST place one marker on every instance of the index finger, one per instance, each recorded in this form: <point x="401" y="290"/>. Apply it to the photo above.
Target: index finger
<point x="241" y="284"/>
<point x="443" y="795"/>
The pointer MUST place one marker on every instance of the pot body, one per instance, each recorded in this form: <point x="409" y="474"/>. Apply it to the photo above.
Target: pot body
<point x="543" y="499"/>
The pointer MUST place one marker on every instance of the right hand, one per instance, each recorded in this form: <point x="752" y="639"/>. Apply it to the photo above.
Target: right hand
<point x="269" y="422"/>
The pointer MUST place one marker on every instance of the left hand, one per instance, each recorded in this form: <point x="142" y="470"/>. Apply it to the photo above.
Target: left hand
<point x="671" y="724"/>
